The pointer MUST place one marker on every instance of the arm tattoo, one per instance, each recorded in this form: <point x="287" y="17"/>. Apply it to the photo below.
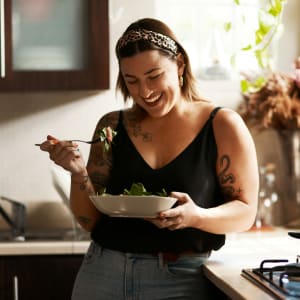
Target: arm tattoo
<point x="83" y="183"/>
<point x="227" y="179"/>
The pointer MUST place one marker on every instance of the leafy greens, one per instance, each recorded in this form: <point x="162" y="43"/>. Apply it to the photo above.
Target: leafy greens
<point x="138" y="189"/>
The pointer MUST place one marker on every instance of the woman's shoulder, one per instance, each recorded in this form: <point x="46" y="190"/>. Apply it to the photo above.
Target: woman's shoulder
<point x="227" y="117"/>
<point x="110" y="119"/>
<point x="229" y="127"/>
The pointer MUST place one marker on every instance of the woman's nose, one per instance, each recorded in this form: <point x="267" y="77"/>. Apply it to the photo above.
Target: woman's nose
<point x="145" y="91"/>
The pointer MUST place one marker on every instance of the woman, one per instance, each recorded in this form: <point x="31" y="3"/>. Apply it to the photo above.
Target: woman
<point x="169" y="139"/>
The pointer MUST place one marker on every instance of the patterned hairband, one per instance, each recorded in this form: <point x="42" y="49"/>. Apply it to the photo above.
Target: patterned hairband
<point x="156" y="38"/>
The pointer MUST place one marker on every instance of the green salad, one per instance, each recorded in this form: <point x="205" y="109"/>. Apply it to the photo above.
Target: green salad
<point x="138" y="189"/>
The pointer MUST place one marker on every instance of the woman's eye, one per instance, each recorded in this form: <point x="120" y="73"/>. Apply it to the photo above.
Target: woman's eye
<point x="155" y="76"/>
<point x="131" y="82"/>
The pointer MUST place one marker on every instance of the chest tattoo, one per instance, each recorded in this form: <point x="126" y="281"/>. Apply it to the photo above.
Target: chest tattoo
<point x="137" y="131"/>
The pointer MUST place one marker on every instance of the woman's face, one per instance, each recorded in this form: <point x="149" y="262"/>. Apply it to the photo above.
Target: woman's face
<point x="152" y="81"/>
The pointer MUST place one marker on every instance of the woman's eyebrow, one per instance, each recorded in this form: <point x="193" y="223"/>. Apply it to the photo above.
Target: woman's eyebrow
<point x="151" y="70"/>
<point x="128" y="75"/>
<point x="146" y="73"/>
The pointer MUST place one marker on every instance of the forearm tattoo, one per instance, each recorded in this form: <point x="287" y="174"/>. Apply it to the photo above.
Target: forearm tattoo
<point x="227" y="179"/>
<point x="83" y="183"/>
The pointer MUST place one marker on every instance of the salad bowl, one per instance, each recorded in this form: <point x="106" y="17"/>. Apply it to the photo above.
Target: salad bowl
<point x="144" y="206"/>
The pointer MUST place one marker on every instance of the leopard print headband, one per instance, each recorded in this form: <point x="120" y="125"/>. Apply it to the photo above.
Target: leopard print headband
<point x="156" y="38"/>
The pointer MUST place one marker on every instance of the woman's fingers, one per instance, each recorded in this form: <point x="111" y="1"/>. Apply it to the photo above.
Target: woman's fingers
<point x="178" y="217"/>
<point x="63" y="153"/>
<point x="49" y="143"/>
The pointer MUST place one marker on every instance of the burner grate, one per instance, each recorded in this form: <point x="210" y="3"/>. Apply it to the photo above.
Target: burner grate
<point x="282" y="281"/>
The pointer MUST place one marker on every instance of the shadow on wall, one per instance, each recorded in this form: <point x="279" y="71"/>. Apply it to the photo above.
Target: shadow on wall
<point x="16" y="105"/>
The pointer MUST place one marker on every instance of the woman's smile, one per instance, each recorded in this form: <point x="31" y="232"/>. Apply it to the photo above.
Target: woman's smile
<point x="153" y="100"/>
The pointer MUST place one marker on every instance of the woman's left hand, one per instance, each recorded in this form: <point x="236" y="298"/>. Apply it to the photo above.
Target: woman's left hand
<point x="179" y="217"/>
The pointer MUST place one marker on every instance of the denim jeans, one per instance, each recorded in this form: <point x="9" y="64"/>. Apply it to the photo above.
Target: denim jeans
<point x="111" y="275"/>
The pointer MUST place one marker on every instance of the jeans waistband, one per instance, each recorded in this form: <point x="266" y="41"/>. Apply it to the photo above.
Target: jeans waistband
<point x="167" y="257"/>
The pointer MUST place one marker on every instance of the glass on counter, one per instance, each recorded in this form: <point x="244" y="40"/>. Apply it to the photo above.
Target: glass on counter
<point x="267" y="197"/>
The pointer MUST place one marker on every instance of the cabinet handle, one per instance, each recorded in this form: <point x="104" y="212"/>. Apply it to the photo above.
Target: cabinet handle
<point x="2" y="39"/>
<point x="16" y="288"/>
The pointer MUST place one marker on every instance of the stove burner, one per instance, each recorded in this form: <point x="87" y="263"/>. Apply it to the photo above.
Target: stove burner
<point x="282" y="280"/>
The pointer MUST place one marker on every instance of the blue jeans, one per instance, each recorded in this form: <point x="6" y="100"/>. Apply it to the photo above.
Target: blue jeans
<point x="112" y="275"/>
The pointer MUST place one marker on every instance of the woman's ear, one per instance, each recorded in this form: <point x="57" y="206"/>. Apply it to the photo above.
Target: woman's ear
<point x="180" y="64"/>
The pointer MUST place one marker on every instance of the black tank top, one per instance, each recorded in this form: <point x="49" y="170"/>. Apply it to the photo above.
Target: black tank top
<point x="192" y="172"/>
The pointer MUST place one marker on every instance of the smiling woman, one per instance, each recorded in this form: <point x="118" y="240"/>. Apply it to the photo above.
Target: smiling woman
<point x="171" y="138"/>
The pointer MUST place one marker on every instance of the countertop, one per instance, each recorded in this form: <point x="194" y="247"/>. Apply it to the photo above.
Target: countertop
<point x="246" y="251"/>
<point x="43" y="247"/>
<point x="242" y="250"/>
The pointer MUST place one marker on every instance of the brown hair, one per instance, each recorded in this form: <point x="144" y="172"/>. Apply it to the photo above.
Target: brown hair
<point x="189" y="89"/>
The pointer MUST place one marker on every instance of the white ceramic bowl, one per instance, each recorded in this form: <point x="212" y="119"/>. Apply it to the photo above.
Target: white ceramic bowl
<point x="132" y="206"/>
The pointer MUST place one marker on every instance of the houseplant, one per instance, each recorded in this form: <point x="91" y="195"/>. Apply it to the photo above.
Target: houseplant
<point x="271" y="101"/>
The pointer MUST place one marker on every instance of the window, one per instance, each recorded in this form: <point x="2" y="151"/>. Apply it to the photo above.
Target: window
<point x="200" y="25"/>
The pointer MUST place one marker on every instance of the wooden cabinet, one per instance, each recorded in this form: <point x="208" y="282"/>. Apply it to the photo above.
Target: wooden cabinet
<point x="36" y="277"/>
<point x="54" y="45"/>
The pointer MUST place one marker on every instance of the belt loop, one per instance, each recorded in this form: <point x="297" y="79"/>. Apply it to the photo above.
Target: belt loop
<point x="160" y="260"/>
<point x="98" y="249"/>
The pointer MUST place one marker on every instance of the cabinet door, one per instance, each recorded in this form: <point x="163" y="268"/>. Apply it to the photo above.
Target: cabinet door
<point x="54" y="45"/>
<point x="38" y="277"/>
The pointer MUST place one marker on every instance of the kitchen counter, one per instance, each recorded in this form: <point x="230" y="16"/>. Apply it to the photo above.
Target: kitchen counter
<point x="244" y="251"/>
<point x="46" y="247"/>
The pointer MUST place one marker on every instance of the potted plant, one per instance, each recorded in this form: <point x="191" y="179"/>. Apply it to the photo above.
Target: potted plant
<point x="271" y="101"/>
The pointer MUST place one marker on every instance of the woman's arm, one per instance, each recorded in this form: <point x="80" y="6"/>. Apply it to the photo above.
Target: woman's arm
<point x="93" y="179"/>
<point x="85" y="180"/>
<point x="237" y="170"/>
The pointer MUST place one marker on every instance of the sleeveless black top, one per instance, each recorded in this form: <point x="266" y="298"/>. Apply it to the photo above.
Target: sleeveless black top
<point x="192" y="172"/>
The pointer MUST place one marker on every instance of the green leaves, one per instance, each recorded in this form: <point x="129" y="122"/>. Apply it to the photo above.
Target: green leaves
<point x="262" y="31"/>
<point x="249" y="47"/>
<point x="227" y="26"/>
<point x="138" y="189"/>
<point x="106" y="135"/>
<point x="252" y="86"/>
<point x="276" y="7"/>
<point x="269" y="21"/>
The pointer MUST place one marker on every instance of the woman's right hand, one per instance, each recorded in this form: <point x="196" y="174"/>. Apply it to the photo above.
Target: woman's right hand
<point x="65" y="154"/>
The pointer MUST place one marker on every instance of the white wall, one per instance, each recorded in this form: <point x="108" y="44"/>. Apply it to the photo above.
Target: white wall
<point x="26" y="118"/>
<point x="289" y="44"/>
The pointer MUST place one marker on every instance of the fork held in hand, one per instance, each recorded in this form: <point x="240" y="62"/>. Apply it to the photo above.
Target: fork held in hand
<point x="87" y="142"/>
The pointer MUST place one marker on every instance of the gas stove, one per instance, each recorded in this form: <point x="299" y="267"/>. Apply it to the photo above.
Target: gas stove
<point x="277" y="277"/>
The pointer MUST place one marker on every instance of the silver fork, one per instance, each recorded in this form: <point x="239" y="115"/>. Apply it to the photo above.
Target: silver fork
<point x="87" y="142"/>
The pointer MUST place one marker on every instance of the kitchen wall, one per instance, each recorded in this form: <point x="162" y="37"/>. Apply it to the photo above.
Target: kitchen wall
<point x="26" y="118"/>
